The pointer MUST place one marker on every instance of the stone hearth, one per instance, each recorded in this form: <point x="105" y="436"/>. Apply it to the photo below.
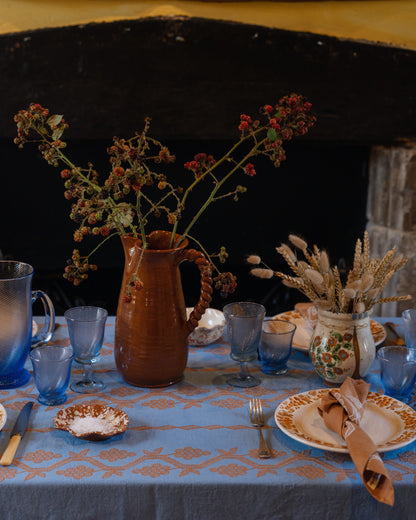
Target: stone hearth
<point x="391" y="212"/>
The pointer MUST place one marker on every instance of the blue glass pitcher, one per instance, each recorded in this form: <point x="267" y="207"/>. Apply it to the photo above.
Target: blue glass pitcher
<point x="16" y="299"/>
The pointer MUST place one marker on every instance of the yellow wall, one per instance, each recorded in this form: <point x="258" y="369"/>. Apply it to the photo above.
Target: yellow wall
<point x="391" y="22"/>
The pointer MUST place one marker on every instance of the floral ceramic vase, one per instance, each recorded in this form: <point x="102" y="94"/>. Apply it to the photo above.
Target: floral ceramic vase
<point x="342" y="345"/>
<point x="152" y="329"/>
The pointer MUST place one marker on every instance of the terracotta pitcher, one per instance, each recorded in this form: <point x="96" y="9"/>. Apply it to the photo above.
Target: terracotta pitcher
<point x="151" y="345"/>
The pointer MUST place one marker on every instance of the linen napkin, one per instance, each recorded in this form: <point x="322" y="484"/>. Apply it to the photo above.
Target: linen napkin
<point x="342" y="409"/>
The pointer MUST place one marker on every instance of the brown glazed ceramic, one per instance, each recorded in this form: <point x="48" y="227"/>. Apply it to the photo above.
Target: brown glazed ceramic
<point x="151" y="345"/>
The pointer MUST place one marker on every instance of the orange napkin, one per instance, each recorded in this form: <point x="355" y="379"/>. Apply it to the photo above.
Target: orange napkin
<point x="342" y="409"/>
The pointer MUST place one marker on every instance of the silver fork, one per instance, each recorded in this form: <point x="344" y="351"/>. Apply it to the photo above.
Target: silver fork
<point x="257" y="420"/>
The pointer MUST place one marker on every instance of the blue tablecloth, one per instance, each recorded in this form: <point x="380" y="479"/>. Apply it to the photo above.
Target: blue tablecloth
<point x="189" y="453"/>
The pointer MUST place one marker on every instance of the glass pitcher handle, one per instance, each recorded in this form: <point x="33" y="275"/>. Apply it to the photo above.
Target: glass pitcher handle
<point x="46" y="334"/>
<point x="192" y="255"/>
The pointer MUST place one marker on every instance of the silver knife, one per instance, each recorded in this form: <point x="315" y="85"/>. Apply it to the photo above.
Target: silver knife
<point x="16" y="434"/>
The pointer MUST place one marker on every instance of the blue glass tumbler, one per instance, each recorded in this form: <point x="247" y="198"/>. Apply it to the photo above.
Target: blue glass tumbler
<point x="275" y="346"/>
<point x="52" y="370"/>
<point x="397" y="371"/>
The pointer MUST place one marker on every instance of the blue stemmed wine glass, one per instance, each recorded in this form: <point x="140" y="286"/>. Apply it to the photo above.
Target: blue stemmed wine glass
<point x="244" y="324"/>
<point x="86" y="325"/>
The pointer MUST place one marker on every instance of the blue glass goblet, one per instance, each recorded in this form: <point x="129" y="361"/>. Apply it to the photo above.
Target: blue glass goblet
<point x="244" y="323"/>
<point x="86" y="327"/>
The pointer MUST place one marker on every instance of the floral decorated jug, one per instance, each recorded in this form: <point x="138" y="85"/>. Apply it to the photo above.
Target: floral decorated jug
<point x="151" y="336"/>
<point x="342" y="345"/>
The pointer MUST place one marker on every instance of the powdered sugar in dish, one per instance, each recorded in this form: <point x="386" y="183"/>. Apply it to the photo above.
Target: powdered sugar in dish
<point x="87" y="424"/>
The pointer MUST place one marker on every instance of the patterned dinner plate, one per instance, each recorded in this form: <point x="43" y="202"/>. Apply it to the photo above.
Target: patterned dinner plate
<point x="390" y="423"/>
<point x="304" y="330"/>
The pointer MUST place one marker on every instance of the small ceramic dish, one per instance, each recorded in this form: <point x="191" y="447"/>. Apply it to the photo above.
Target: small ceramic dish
<point x="92" y="422"/>
<point x="210" y="328"/>
<point x="3" y="416"/>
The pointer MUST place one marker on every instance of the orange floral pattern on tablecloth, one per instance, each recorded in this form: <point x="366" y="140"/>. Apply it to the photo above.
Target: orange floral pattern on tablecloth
<point x="230" y="463"/>
<point x="7" y="473"/>
<point x="408" y="456"/>
<point x="259" y="391"/>
<point x="160" y="404"/>
<point x="40" y="456"/>
<point x="115" y="454"/>
<point x="254" y="454"/>
<point x="153" y="471"/>
<point x="189" y="453"/>
<point x="228" y="403"/>
<point x="190" y="390"/>
<point x="123" y="391"/>
<point x="231" y="470"/>
<point x="16" y="405"/>
<point x="338" y="458"/>
<point x="395" y="476"/>
<point x="308" y="471"/>
<point x="192" y="458"/>
<point x="77" y="472"/>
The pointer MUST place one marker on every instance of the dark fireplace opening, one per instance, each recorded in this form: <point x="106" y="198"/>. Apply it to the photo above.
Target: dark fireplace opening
<point x="194" y="77"/>
<point x="319" y="192"/>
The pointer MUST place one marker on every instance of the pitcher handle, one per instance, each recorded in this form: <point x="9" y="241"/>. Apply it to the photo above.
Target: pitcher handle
<point x="206" y="285"/>
<point x="49" y="327"/>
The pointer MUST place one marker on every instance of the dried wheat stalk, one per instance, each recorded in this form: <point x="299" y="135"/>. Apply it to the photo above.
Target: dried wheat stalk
<point x="323" y="285"/>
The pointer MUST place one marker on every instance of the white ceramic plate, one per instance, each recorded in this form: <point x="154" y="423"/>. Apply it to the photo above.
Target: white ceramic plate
<point x="304" y="330"/>
<point x="391" y="424"/>
<point x="3" y="416"/>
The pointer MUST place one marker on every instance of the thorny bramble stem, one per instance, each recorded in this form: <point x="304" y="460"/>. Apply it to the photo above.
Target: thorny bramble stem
<point x="134" y="193"/>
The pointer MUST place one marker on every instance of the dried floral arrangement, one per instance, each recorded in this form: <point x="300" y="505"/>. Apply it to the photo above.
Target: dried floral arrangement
<point x="133" y="196"/>
<point x="321" y="282"/>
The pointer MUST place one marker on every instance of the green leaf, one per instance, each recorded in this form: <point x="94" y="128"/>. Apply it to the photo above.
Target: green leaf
<point x="271" y="135"/>
<point x="54" y="120"/>
<point x="57" y="134"/>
